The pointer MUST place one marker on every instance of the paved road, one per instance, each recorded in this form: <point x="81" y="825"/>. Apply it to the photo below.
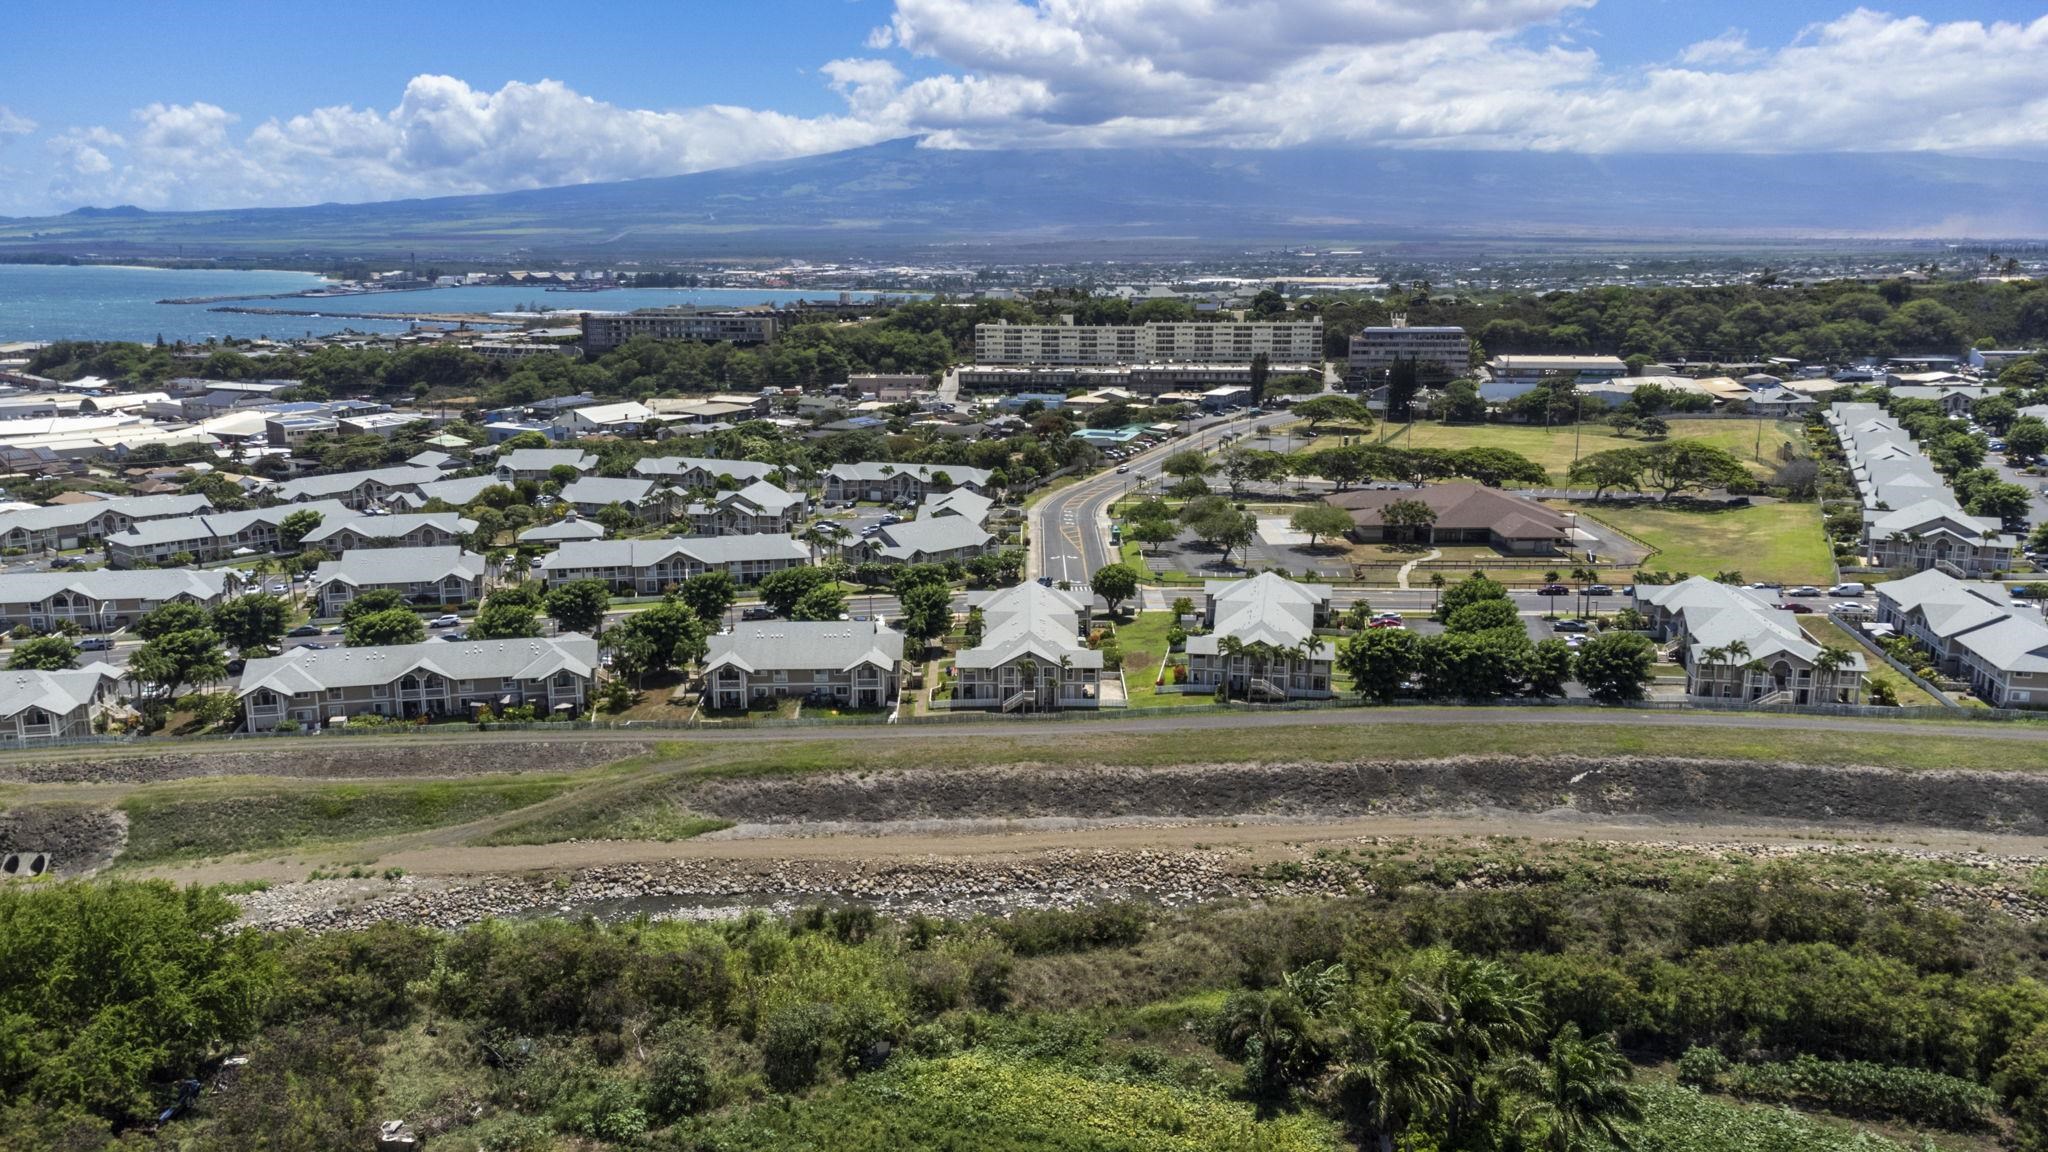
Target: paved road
<point x="1070" y="528"/>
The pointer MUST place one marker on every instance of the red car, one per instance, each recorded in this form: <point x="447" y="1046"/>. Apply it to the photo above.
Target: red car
<point x="1385" y="622"/>
<point x="1796" y="608"/>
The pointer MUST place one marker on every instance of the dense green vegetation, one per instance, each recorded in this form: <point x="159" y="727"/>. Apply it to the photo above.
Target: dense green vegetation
<point x="1464" y="999"/>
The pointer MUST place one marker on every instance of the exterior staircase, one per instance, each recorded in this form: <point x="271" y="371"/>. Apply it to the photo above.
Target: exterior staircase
<point x="1017" y="701"/>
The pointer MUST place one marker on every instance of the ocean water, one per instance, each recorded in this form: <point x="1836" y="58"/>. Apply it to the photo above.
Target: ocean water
<point x="97" y="302"/>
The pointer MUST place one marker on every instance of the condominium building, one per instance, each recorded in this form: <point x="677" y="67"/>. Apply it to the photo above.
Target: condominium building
<point x="59" y="526"/>
<point x="1440" y="352"/>
<point x="424" y="576"/>
<point x="1298" y="341"/>
<point x="1737" y="646"/>
<point x="107" y="597"/>
<point x="436" y="678"/>
<point x="215" y="535"/>
<point x="1032" y="656"/>
<point x="603" y="331"/>
<point x="1262" y="642"/>
<point x="857" y="663"/>
<point x="651" y="567"/>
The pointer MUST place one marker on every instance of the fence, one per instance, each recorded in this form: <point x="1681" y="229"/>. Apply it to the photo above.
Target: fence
<point x="1864" y="638"/>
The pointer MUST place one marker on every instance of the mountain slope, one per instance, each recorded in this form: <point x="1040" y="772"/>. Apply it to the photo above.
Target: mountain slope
<point x="897" y="195"/>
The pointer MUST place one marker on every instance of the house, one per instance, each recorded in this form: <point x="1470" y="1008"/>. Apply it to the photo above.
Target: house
<point x="622" y="419"/>
<point x="1934" y="533"/>
<point x="856" y="663"/>
<point x="570" y="527"/>
<point x="1465" y="514"/>
<point x="1031" y="656"/>
<point x="537" y="464"/>
<point x="1735" y="645"/>
<point x="107" y="598"/>
<point x="1780" y="402"/>
<point x="651" y="567"/>
<point x="39" y="706"/>
<point x="933" y="540"/>
<point x="692" y="473"/>
<point x="444" y="575"/>
<point x="214" y="535"/>
<point x="413" y="530"/>
<point x="1972" y="631"/>
<point x="311" y="687"/>
<point x="759" y="507"/>
<point x="433" y="459"/>
<point x="884" y="482"/>
<point x="1262" y="642"/>
<point x="649" y="502"/>
<point x="1954" y="397"/>
<point x="358" y="490"/>
<point x="959" y="502"/>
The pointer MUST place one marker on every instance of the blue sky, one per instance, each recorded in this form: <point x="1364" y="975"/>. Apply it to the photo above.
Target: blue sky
<point x="209" y="104"/>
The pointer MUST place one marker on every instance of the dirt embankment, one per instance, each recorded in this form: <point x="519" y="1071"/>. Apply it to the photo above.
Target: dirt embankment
<point x="79" y="838"/>
<point x="1648" y="787"/>
<point x="327" y="758"/>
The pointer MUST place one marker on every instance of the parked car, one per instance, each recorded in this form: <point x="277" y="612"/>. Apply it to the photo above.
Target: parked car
<point x="1848" y="588"/>
<point x="1386" y="622"/>
<point x="445" y="620"/>
<point x="338" y="630"/>
<point x="456" y="635"/>
<point x="757" y="613"/>
<point x="305" y="630"/>
<point x="236" y="665"/>
<point x="1122" y="468"/>
<point x="1571" y="626"/>
<point x="316" y="647"/>
<point x="1853" y="609"/>
<point x="1803" y="590"/>
<point x="1796" y="608"/>
<point x="1599" y="590"/>
<point x="96" y="644"/>
<point x="64" y="562"/>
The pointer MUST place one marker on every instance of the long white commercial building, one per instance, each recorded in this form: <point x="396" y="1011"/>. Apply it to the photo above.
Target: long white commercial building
<point x="1292" y="341"/>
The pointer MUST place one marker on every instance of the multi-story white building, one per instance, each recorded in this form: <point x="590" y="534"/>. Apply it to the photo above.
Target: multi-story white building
<point x="312" y="687"/>
<point x="604" y="331"/>
<point x="650" y="567"/>
<point x="1440" y="352"/>
<point x="1220" y="342"/>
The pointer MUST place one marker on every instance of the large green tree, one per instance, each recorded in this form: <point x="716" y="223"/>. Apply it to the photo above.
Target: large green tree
<point x="381" y="629"/>
<point x="251" y="623"/>
<point x="579" y="605"/>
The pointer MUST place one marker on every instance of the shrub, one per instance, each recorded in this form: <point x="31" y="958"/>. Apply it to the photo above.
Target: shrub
<point x="1040" y="933"/>
<point x="793" y="1043"/>
<point x="678" y="1077"/>
<point x="1702" y="1067"/>
<point x="1857" y="1088"/>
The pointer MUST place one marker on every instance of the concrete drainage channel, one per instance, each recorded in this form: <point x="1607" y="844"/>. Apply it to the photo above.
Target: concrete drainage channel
<point x="24" y="865"/>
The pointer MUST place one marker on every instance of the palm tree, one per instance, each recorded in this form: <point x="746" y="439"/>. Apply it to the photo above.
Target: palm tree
<point x="1276" y="1036"/>
<point x="1550" y="580"/>
<point x="1581" y="1094"/>
<point x="1713" y="657"/>
<point x="1436" y="584"/>
<point x="1228" y="650"/>
<point x="1390" y="1072"/>
<point x="1831" y="659"/>
<point x="1484" y="1013"/>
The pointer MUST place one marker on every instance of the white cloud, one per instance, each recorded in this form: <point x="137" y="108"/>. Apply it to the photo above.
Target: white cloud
<point x="1244" y="73"/>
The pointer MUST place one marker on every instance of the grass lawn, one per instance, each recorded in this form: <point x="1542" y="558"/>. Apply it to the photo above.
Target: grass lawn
<point x="198" y="818"/>
<point x="1916" y="746"/>
<point x="649" y="810"/>
<point x="1780" y="542"/>
<point x="1144" y="643"/>
<point x="1552" y="448"/>
<point x="1911" y="695"/>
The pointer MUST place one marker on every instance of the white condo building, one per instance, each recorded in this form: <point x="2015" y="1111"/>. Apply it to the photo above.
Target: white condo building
<point x="1292" y="341"/>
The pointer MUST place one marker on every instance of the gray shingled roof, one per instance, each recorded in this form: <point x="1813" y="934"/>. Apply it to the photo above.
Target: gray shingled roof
<point x="214" y="525"/>
<point x="703" y="549"/>
<point x="1266" y="609"/>
<point x="744" y="471"/>
<point x="54" y="692"/>
<point x="364" y="567"/>
<point x="72" y="515"/>
<point x="837" y="645"/>
<point x="929" y="536"/>
<point x="575" y="528"/>
<point x="608" y="490"/>
<point x="390" y="527"/>
<point x="115" y="584"/>
<point x="310" y="487"/>
<point x="302" y="670"/>
<point x="542" y="459"/>
<point x="1030" y="619"/>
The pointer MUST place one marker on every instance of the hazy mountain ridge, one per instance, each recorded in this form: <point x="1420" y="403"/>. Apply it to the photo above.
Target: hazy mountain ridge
<point x="895" y="195"/>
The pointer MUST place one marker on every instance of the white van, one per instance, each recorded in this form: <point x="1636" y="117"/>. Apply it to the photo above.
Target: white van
<point x="1849" y="588"/>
